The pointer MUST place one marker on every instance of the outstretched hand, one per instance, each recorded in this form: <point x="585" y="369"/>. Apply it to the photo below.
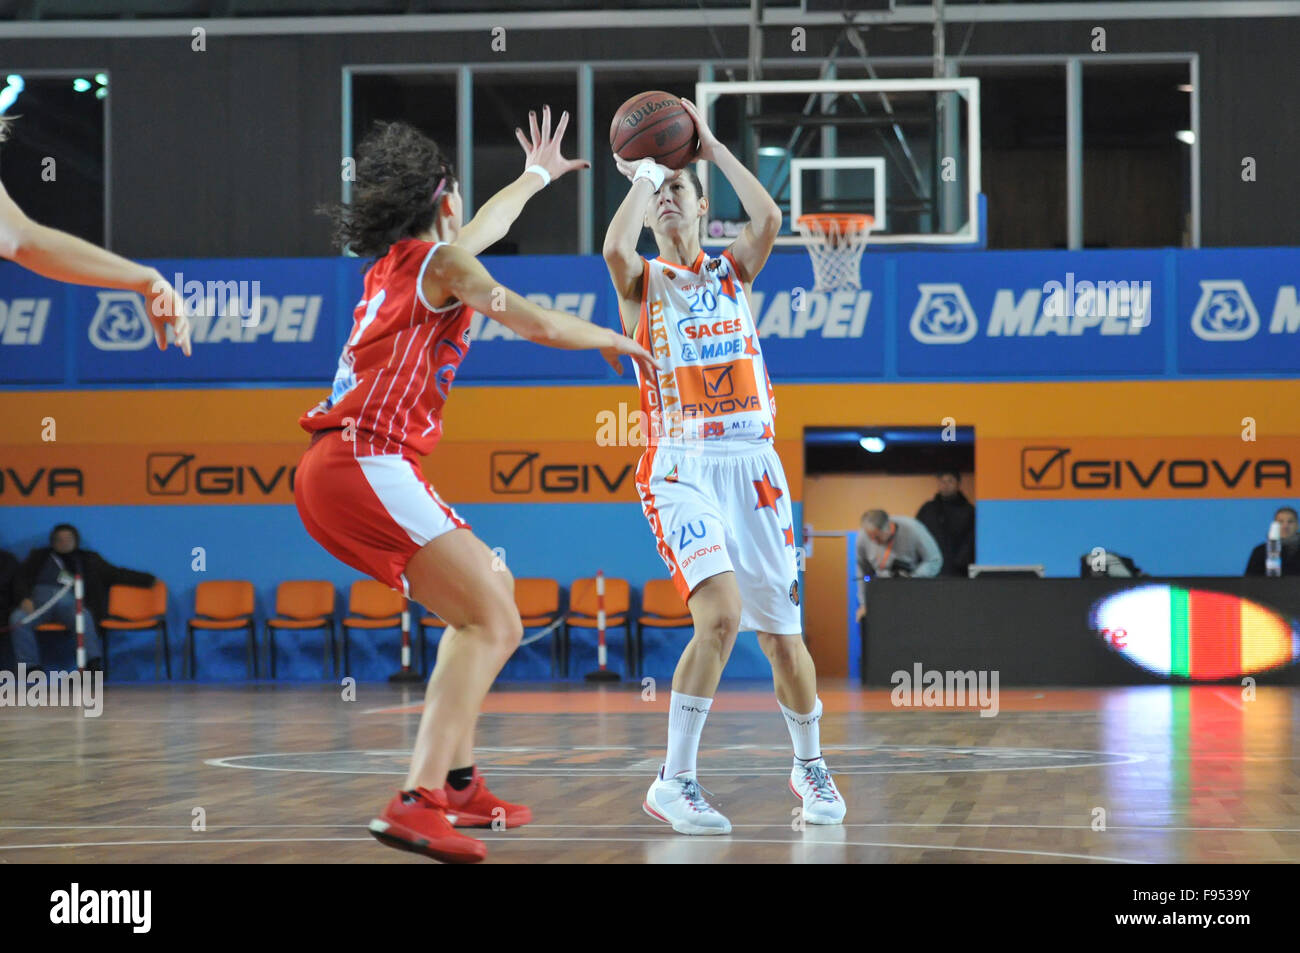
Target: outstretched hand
<point x="542" y="148"/>
<point x="625" y="345"/>
<point x="164" y="306"/>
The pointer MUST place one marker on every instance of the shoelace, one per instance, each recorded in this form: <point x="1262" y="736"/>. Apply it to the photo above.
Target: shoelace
<point x="819" y="779"/>
<point x="691" y="794"/>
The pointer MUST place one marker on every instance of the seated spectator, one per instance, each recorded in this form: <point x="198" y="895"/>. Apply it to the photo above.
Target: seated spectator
<point x="950" y="518"/>
<point x="43" y="592"/>
<point x="1258" y="563"/>
<point x="894" y="546"/>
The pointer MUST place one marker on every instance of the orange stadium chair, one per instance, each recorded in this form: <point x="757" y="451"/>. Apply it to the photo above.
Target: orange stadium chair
<point x="219" y="606"/>
<point x="661" y="608"/>
<point x="133" y="609"/>
<point x="539" y="606"/>
<point x="582" y="613"/>
<point x="371" y="605"/>
<point x="304" y="605"/>
<point x="55" y="628"/>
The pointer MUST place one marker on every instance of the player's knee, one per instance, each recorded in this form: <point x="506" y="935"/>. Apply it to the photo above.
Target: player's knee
<point x="514" y="633"/>
<point x="782" y="651"/>
<point x="718" y="629"/>
<point x="504" y="629"/>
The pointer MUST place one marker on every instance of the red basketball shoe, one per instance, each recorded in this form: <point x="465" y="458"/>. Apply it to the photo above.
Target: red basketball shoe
<point x="476" y="806"/>
<point x="421" y="822"/>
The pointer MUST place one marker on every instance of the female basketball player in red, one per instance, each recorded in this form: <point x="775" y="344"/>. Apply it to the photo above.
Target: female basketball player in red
<point x="359" y="488"/>
<point x="711" y="484"/>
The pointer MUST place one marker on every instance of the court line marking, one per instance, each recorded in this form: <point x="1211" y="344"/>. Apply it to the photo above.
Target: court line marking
<point x="576" y="771"/>
<point x="723" y="841"/>
<point x="935" y="824"/>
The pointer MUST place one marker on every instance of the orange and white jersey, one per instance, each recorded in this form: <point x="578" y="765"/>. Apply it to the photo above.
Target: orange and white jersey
<point x="698" y="324"/>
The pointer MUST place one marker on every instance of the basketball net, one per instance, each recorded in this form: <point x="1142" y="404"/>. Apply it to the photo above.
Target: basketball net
<point x="835" y="242"/>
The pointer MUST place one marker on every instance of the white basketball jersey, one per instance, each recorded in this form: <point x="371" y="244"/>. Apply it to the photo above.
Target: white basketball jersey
<point x="697" y="322"/>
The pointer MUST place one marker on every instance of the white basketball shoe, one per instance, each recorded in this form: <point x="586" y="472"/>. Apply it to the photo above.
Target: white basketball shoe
<point x="679" y="801"/>
<point x="812" y="784"/>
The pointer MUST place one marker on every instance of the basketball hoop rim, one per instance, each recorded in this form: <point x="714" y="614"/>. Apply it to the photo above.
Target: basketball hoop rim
<point x="841" y="222"/>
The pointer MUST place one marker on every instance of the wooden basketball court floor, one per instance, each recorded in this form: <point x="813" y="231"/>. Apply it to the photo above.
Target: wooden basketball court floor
<point x="292" y="774"/>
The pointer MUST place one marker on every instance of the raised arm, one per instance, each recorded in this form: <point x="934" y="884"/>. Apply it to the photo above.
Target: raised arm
<point x="498" y="213"/>
<point x="63" y="257"/>
<point x="454" y="272"/>
<point x="624" y="264"/>
<point x="755" y="242"/>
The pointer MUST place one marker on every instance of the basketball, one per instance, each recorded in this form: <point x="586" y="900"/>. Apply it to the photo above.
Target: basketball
<point x="654" y="125"/>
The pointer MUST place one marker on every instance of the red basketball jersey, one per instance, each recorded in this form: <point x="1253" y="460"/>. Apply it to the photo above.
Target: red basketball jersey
<point x="396" y="369"/>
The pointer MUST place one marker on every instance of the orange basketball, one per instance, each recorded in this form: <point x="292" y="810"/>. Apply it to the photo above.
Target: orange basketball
<point x="654" y="125"/>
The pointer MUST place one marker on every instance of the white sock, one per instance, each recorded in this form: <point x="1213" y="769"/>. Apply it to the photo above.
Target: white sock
<point x="805" y="732"/>
<point x="686" y="714"/>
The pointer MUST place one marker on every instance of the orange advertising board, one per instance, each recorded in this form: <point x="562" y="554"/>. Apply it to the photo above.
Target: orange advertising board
<point x="164" y="473"/>
<point x="1030" y="468"/>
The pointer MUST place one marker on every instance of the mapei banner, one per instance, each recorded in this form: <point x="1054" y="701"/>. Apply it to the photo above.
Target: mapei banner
<point x="1242" y="311"/>
<point x="1095" y="314"/>
<point x="917" y="316"/>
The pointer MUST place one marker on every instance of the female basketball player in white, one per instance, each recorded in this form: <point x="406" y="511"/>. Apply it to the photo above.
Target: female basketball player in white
<point x="359" y="488"/>
<point x="712" y="486"/>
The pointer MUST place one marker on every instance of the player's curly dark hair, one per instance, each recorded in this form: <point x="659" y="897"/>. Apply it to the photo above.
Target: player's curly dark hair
<point x="398" y="171"/>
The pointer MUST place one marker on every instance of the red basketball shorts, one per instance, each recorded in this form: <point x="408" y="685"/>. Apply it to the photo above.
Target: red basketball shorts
<point x="373" y="513"/>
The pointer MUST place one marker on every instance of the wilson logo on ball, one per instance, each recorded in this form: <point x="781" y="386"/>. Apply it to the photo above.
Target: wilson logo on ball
<point x="654" y="125"/>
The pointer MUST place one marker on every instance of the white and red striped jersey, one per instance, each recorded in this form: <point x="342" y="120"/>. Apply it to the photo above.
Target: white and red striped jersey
<point x="397" y="367"/>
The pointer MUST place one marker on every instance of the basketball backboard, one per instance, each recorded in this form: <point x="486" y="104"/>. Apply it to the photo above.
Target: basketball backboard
<point x="905" y="151"/>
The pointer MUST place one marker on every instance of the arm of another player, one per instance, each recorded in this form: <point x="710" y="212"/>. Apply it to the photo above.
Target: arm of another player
<point x="498" y="213"/>
<point x="755" y="243"/>
<point x="453" y="270"/>
<point x="64" y="257"/>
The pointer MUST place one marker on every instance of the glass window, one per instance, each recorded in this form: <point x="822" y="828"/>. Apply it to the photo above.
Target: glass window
<point x="549" y="225"/>
<point x="53" y="163"/>
<point x="1137" y="171"/>
<point x="1022" y="154"/>
<point x="427" y="101"/>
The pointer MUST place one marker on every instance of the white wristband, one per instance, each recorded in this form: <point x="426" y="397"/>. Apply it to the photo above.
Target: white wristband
<point x="546" y="176"/>
<point x="649" y="169"/>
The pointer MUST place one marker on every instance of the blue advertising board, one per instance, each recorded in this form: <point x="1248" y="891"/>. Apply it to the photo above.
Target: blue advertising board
<point x="256" y="320"/>
<point x="918" y="315"/>
<point x="1059" y="314"/>
<point x="1238" y="311"/>
<point x="33" y="315"/>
